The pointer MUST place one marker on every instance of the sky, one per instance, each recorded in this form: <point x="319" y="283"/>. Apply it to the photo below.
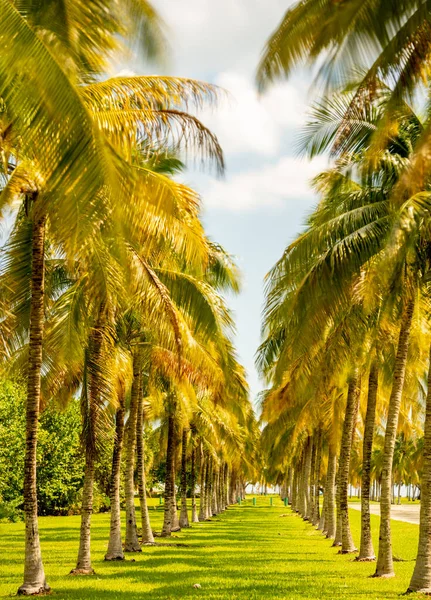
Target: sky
<point x="260" y="204"/>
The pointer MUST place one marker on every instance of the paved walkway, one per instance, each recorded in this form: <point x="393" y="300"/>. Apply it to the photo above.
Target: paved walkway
<point x="409" y="513"/>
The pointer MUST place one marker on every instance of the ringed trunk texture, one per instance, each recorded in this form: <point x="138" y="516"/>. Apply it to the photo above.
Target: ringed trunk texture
<point x="184" y="517"/>
<point x="316" y="513"/>
<point x="232" y="488"/>
<point x="115" y="545"/>
<point x="301" y="507"/>
<point x="83" y="565"/>
<point x="202" y="497"/>
<point x="293" y="492"/>
<point x="330" y="522"/>
<point x="366" y="551"/>
<point x="290" y="486"/>
<point x="209" y="490"/>
<point x="90" y="406"/>
<point x="147" y="532"/>
<point x="421" y="579"/>
<point x="132" y="541"/>
<point x="321" y="525"/>
<point x="306" y="479"/>
<point x="347" y="544"/>
<point x="170" y="499"/>
<point x="312" y="484"/>
<point x="195" y="518"/>
<point x="214" y="479"/>
<point x="385" y="567"/>
<point x="34" y="574"/>
<point x="225" y="484"/>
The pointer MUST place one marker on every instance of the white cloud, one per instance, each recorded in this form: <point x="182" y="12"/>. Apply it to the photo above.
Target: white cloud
<point x="210" y="37"/>
<point x="270" y="186"/>
<point x="247" y="123"/>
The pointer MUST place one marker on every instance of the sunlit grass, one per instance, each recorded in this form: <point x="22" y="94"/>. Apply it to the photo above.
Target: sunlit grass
<point x="247" y="553"/>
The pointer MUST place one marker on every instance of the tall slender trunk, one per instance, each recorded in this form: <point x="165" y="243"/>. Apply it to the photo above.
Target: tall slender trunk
<point x="306" y="478"/>
<point x="175" y="519"/>
<point x="34" y="574"/>
<point x="202" y="497"/>
<point x="214" y="508"/>
<point x="321" y="526"/>
<point x="208" y="489"/>
<point x="83" y="565"/>
<point x="132" y="541"/>
<point x="220" y="488"/>
<point x="330" y="522"/>
<point x="91" y="407"/>
<point x="347" y="544"/>
<point x="312" y="484"/>
<point x="233" y="487"/>
<point x="385" y="567"/>
<point x="170" y="499"/>
<point x="294" y="491"/>
<point x="195" y="518"/>
<point x="421" y="578"/>
<point x="290" y="485"/>
<point x="338" y="538"/>
<point x="115" y="546"/>
<point x="316" y="513"/>
<point x="184" y="517"/>
<point x="226" y="486"/>
<point x="366" y="551"/>
<point x="147" y="532"/>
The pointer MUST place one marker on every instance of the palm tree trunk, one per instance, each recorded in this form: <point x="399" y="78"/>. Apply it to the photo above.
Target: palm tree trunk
<point x="233" y="487"/>
<point x="202" y="497"/>
<point x="300" y="507"/>
<point x="312" y="486"/>
<point x="175" y="519"/>
<point x="338" y="538"/>
<point x="208" y="490"/>
<point x="385" y="567"/>
<point x="347" y="545"/>
<point x="184" y="517"/>
<point x="195" y="518"/>
<point x="330" y="522"/>
<point x="306" y="478"/>
<point x="366" y="551"/>
<point x="421" y="578"/>
<point x="290" y="486"/>
<point x="170" y="500"/>
<point x="294" y="490"/>
<point x="90" y="405"/>
<point x="214" y="510"/>
<point x="147" y="532"/>
<point x="219" y="489"/>
<point x="316" y="514"/>
<point x="225" y="486"/>
<point x="83" y="565"/>
<point x="115" y="546"/>
<point x="34" y="574"/>
<point x="321" y="526"/>
<point x="132" y="541"/>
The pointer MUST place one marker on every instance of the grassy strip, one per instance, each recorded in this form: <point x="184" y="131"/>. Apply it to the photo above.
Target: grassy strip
<point x="248" y="553"/>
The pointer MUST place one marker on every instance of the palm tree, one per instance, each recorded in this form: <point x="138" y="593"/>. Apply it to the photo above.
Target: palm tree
<point x="85" y="171"/>
<point x="147" y="532"/>
<point x="366" y="550"/>
<point x="421" y="578"/>
<point x="115" y="546"/>
<point x="184" y="518"/>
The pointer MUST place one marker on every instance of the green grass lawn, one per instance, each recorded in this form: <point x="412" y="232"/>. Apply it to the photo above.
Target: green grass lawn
<point x="248" y="553"/>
